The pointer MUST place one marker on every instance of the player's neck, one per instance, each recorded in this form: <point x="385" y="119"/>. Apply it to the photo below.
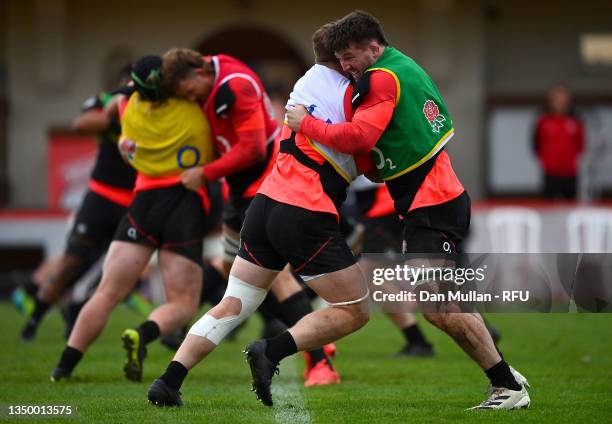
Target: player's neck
<point x="332" y="65"/>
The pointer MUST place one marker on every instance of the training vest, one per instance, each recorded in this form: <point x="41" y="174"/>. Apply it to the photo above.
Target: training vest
<point x="217" y="108"/>
<point x="420" y="125"/>
<point x="164" y="139"/>
<point x="322" y="91"/>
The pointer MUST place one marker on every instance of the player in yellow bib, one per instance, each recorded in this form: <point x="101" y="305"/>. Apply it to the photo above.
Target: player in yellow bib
<point x="180" y="138"/>
<point x="161" y="137"/>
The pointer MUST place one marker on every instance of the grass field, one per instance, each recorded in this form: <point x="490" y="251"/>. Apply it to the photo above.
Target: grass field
<point x="567" y="359"/>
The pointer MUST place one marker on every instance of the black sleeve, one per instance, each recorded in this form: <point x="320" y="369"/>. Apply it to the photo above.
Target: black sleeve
<point x="224" y="99"/>
<point x="93" y="102"/>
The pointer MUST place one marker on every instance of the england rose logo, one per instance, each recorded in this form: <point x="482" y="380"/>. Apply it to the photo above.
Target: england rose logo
<point x="127" y="148"/>
<point x="433" y="116"/>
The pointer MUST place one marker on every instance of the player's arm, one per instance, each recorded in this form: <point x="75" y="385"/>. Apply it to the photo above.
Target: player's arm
<point x="371" y="117"/>
<point x="366" y="166"/>
<point x="247" y="116"/>
<point x="93" y="118"/>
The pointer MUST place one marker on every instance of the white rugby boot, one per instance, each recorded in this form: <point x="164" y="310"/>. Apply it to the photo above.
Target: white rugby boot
<point x="504" y="398"/>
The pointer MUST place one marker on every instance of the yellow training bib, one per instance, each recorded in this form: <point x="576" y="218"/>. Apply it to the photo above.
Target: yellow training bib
<point x="164" y="139"/>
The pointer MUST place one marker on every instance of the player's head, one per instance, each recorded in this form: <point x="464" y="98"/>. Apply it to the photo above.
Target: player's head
<point x="559" y="99"/>
<point x="357" y="41"/>
<point x="186" y="74"/>
<point x="145" y="79"/>
<point x="320" y="45"/>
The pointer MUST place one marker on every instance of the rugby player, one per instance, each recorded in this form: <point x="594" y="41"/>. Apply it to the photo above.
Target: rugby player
<point x="105" y="203"/>
<point x="246" y="134"/>
<point x="402" y="121"/>
<point x="383" y="235"/>
<point x="292" y="219"/>
<point x="160" y="138"/>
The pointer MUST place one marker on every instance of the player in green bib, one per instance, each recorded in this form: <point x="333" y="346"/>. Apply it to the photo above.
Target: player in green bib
<point x="402" y="122"/>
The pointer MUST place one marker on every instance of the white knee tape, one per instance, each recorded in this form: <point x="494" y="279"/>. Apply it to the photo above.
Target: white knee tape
<point x="215" y="329"/>
<point x="230" y="247"/>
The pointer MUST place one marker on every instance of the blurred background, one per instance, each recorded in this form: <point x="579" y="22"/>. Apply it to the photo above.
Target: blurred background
<point x="495" y="63"/>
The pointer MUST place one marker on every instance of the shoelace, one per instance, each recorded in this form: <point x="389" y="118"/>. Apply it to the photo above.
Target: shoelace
<point x="493" y="393"/>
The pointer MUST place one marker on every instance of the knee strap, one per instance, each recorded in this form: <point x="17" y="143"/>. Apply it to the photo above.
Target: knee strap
<point x="350" y="302"/>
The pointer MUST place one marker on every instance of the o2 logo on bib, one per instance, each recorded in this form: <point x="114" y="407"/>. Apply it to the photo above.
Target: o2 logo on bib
<point x="188" y="157"/>
<point x="381" y="162"/>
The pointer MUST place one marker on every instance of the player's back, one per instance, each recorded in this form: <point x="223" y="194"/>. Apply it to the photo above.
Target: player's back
<point x="164" y="138"/>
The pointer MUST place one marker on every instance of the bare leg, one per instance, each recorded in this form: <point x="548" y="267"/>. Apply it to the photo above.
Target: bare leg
<point x="123" y="265"/>
<point x="332" y="323"/>
<point x="195" y="348"/>
<point x="183" y="284"/>
<point x="284" y="285"/>
<point x="69" y="268"/>
<point x="469" y="331"/>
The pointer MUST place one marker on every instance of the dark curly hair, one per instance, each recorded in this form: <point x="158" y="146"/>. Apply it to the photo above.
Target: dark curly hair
<point x="356" y="27"/>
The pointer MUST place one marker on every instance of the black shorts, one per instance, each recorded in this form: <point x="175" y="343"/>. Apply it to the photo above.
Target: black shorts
<point x="171" y="218"/>
<point x="94" y="227"/>
<point x="438" y="229"/>
<point x="276" y="233"/>
<point x="234" y="212"/>
<point x="382" y="234"/>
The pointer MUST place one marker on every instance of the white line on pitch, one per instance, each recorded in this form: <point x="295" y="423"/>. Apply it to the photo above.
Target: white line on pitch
<point x="289" y="406"/>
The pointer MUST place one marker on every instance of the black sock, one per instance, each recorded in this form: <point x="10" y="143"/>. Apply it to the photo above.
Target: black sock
<point x="414" y="335"/>
<point x="70" y="358"/>
<point x="149" y="331"/>
<point x="317" y="356"/>
<point x="501" y="376"/>
<point x="280" y="347"/>
<point x="40" y="309"/>
<point x="270" y="309"/>
<point x="293" y="309"/>
<point x="175" y="375"/>
<point x="213" y="287"/>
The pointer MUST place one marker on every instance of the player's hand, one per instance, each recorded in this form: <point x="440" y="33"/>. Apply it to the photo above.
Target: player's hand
<point x="294" y="117"/>
<point x="193" y="178"/>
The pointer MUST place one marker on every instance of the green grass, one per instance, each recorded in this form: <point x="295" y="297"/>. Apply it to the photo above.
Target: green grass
<point x="567" y="358"/>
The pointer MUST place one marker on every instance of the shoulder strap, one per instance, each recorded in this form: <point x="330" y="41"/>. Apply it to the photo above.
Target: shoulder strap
<point x="224" y="99"/>
<point x="334" y="185"/>
<point x="361" y="90"/>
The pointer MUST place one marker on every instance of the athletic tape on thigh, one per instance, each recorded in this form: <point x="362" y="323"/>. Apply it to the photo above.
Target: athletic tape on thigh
<point x="230" y="247"/>
<point x="215" y="329"/>
<point x="350" y="302"/>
